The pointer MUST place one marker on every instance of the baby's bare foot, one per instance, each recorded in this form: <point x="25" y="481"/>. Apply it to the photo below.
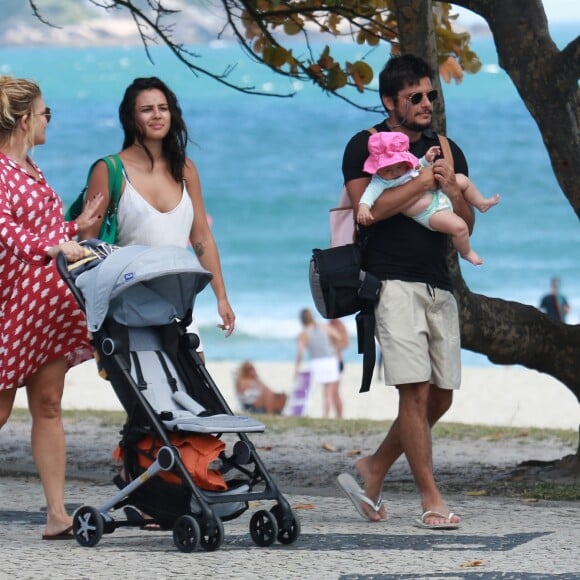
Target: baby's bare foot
<point x="472" y="257"/>
<point x="488" y="203"/>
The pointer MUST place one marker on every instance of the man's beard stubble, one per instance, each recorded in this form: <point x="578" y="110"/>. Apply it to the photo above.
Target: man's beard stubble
<point x="396" y="121"/>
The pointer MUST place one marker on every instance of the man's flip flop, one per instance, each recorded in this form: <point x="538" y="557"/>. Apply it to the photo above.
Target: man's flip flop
<point x="420" y="523"/>
<point x="66" y="534"/>
<point x="356" y="495"/>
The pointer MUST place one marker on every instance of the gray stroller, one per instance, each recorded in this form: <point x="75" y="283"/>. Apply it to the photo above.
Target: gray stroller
<point x="139" y="301"/>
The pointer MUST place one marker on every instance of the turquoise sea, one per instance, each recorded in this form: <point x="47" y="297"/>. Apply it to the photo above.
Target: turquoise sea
<point x="270" y="170"/>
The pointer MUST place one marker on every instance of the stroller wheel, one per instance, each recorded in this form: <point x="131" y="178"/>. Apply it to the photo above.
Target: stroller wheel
<point x="87" y="526"/>
<point x="186" y="533"/>
<point x="213" y="542"/>
<point x="286" y="535"/>
<point x="263" y="528"/>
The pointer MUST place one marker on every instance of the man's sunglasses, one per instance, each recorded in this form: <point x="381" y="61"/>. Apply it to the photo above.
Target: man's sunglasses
<point x="416" y="98"/>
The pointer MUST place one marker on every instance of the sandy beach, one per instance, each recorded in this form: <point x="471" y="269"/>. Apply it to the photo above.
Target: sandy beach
<point x="503" y="396"/>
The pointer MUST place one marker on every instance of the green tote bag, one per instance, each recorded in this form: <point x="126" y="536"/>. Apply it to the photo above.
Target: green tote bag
<point x="108" y="231"/>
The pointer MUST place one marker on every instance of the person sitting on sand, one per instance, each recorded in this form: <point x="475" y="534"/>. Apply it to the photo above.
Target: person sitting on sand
<point x="392" y="164"/>
<point x="255" y="396"/>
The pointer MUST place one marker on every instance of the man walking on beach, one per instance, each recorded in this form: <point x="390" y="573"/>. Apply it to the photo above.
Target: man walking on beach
<point x="417" y="322"/>
<point x="555" y="304"/>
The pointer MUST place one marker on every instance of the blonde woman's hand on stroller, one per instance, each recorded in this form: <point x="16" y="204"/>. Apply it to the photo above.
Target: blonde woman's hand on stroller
<point x="72" y="251"/>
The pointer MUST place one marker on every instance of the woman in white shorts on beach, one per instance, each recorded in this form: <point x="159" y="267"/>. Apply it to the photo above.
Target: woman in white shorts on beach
<point x="318" y="341"/>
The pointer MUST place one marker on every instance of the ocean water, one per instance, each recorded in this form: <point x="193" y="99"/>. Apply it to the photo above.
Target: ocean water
<point x="271" y="169"/>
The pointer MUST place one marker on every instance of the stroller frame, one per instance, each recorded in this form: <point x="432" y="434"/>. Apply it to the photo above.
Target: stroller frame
<point x="201" y="524"/>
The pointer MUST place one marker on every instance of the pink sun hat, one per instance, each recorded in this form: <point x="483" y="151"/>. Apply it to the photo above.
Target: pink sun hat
<point x="388" y="148"/>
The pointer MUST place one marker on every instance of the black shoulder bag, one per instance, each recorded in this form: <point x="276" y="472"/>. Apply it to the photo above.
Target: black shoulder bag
<point x="340" y="287"/>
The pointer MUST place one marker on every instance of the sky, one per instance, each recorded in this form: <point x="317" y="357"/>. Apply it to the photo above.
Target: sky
<point x="556" y="11"/>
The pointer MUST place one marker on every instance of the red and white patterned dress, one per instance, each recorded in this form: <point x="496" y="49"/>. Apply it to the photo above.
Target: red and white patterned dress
<point x="40" y="320"/>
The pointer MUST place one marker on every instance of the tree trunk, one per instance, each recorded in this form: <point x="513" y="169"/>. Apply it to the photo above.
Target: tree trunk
<point x="545" y="77"/>
<point x="417" y="36"/>
<point x="513" y="333"/>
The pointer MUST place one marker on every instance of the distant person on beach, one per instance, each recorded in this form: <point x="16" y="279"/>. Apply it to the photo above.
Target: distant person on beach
<point x="318" y="341"/>
<point x="392" y="164"/>
<point x="555" y="304"/>
<point x="43" y="329"/>
<point x="254" y="395"/>
<point x="161" y="202"/>
<point x="417" y="323"/>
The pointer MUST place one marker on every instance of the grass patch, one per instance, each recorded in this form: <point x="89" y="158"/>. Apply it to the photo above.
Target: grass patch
<point x="494" y="433"/>
<point x="104" y="418"/>
<point x="457" y="431"/>
<point x="277" y="424"/>
<point x="534" y="491"/>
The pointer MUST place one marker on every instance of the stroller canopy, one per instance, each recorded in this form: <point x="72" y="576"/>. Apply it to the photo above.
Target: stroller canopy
<point x="142" y="286"/>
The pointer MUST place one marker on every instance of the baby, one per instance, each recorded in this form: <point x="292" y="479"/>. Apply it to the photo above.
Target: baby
<point x="392" y="164"/>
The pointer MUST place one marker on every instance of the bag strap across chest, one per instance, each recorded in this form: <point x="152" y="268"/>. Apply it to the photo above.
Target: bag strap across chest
<point x="446" y="149"/>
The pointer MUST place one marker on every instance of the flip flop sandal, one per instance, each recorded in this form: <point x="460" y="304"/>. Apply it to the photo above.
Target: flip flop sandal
<point x="66" y="534"/>
<point x="356" y="495"/>
<point x="420" y="523"/>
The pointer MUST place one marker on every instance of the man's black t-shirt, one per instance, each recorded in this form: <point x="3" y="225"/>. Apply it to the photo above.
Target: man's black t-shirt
<point x="399" y="248"/>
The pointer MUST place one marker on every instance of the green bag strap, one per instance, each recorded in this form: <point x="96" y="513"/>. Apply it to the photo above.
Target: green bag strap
<point x="115" y="172"/>
<point x="115" y="169"/>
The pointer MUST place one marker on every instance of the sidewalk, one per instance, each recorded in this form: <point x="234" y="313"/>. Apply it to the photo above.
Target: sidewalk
<point x="500" y="538"/>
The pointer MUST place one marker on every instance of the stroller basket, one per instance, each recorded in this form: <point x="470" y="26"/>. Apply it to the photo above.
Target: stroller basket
<point x="138" y="302"/>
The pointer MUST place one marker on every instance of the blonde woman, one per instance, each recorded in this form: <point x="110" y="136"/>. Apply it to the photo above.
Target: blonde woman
<point x="42" y="330"/>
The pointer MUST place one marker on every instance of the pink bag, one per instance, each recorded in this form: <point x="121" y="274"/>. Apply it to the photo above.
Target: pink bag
<point x="342" y="227"/>
<point x="342" y="230"/>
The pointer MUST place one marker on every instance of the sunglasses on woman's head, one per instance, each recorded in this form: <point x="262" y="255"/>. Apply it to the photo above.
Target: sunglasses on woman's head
<point x="416" y="98"/>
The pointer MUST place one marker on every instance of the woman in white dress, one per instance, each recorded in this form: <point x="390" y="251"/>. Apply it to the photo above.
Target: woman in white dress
<point x="318" y="341"/>
<point x="161" y="201"/>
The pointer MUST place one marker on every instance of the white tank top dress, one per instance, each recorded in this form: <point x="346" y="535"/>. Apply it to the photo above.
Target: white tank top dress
<point x="140" y="223"/>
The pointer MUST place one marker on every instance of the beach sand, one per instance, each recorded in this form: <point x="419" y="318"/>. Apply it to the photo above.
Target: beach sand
<point x="503" y="396"/>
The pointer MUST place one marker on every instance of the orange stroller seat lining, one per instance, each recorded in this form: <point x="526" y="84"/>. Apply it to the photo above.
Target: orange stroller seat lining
<point x="197" y="451"/>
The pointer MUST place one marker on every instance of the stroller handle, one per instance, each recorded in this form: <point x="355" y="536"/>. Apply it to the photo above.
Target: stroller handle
<point x="62" y="267"/>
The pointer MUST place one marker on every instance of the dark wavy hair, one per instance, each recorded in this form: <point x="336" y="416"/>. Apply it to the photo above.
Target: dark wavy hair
<point x="402" y="71"/>
<point x="175" y="143"/>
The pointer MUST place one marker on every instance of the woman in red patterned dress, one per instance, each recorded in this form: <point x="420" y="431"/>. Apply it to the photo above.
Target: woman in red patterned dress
<point x="42" y="330"/>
